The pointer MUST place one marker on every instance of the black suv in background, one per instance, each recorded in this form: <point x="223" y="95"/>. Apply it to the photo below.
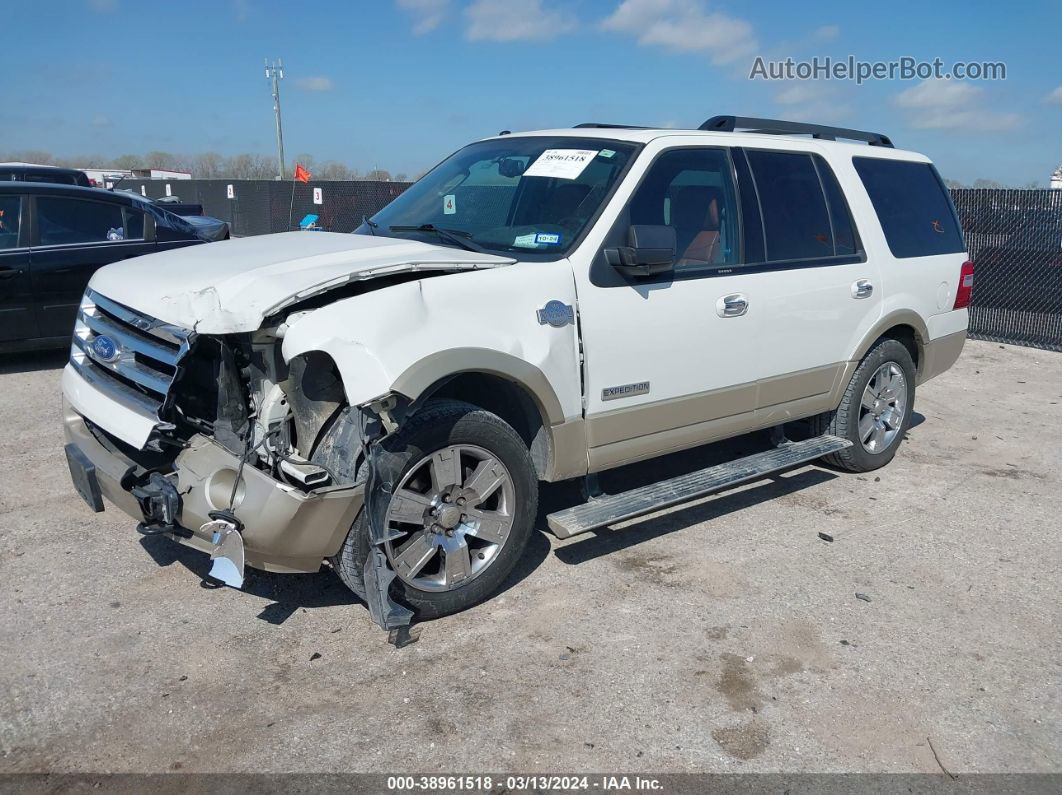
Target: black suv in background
<point x="54" y="237"/>
<point x="27" y="172"/>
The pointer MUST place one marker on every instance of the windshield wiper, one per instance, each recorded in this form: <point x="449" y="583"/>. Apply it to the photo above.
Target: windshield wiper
<point x="456" y="236"/>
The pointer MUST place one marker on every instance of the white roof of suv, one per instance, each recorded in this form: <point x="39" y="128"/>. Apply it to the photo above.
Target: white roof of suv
<point x="644" y="135"/>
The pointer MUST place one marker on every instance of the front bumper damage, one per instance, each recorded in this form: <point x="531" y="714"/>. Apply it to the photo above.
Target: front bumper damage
<point x="284" y="530"/>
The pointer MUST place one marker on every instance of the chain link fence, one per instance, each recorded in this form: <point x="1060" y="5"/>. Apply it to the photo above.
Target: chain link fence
<point x="1014" y="237"/>
<point x="1015" y="241"/>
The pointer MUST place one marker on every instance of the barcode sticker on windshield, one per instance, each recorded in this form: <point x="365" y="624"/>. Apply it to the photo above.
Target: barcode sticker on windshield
<point x="561" y="163"/>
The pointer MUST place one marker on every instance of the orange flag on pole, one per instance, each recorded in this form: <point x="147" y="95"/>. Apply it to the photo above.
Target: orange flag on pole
<point x="301" y="174"/>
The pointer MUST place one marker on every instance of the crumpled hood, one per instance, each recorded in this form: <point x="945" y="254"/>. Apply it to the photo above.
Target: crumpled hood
<point x="232" y="285"/>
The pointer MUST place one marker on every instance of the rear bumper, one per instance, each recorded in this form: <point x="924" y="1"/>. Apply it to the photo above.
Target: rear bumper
<point x="285" y="530"/>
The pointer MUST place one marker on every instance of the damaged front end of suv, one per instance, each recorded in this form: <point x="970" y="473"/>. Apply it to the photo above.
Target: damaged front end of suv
<point x="210" y="424"/>
<point x="219" y="442"/>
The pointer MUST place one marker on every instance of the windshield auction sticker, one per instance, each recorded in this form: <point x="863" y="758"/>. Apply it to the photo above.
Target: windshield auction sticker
<point x="561" y="163"/>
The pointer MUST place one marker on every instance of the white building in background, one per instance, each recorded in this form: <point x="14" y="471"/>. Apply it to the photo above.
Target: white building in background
<point x="1056" y="179"/>
<point x="106" y="177"/>
<point x="158" y="173"/>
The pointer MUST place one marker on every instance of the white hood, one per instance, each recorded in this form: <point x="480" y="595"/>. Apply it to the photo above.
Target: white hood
<point x="232" y="285"/>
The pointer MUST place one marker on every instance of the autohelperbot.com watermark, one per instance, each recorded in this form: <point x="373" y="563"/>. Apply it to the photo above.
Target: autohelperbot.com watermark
<point x="852" y="68"/>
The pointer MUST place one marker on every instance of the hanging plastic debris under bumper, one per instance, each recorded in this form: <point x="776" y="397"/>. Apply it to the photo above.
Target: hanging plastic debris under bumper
<point x="227" y="555"/>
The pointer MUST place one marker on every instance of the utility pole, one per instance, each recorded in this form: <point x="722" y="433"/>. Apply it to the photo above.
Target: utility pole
<point x="275" y="72"/>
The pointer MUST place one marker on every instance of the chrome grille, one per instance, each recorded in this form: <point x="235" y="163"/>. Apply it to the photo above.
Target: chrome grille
<point x="126" y="353"/>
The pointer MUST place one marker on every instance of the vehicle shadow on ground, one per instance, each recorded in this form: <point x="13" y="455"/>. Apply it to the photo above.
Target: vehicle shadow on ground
<point x="33" y="361"/>
<point x="287" y="592"/>
<point x="607" y="541"/>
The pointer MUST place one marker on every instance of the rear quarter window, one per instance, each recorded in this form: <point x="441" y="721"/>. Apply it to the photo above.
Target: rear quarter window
<point x="913" y="206"/>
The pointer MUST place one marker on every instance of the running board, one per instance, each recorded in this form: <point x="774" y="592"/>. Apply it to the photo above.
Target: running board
<point x="613" y="508"/>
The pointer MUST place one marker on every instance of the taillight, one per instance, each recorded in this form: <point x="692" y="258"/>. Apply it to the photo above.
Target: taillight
<point x="962" y="295"/>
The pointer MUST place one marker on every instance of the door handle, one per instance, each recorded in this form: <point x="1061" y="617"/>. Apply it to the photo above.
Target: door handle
<point x="9" y="273"/>
<point x="862" y="288"/>
<point x="733" y="305"/>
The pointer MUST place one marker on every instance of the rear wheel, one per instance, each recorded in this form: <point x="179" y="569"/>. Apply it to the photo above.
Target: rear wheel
<point x="875" y="411"/>
<point x="460" y="516"/>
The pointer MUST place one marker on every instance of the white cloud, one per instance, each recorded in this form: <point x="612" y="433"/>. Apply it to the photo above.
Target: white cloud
<point x="314" y="84"/>
<point x="242" y="9"/>
<point x="684" y="26"/>
<point x="810" y="100"/>
<point x="826" y="33"/>
<point x="1055" y="97"/>
<point x="516" y="20"/>
<point x="103" y="6"/>
<point x="798" y="93"/>
<point x="99" y="120"/>
<point x="952" y="105"/>
<point x="427" y="14"/>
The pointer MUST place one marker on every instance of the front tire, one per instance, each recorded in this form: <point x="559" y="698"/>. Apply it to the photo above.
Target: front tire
<point x="875" y="411"/>
<point x="462" y="510"/>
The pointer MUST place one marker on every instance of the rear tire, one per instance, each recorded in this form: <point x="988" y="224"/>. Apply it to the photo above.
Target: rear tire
<point x="875" y="411"/>
<point x="488" y="547"/>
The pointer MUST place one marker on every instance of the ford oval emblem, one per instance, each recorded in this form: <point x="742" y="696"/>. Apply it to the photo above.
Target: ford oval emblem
<point x="105" y="348"/>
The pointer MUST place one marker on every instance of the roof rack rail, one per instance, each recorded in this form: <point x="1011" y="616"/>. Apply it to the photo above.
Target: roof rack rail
<point x="780" y="127"/>
<point x="609" y="126"/>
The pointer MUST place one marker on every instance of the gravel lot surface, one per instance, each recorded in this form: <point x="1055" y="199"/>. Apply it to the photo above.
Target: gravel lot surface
<point x="721" y="635"/>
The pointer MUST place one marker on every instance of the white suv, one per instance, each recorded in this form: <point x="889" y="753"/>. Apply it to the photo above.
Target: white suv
<point x="538" y="307"/>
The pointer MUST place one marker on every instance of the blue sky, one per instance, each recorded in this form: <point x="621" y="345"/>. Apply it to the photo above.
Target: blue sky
<point x="401" y="84"/>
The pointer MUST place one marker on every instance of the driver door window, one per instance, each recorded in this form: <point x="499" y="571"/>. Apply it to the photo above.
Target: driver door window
<point x="691" y="190"/>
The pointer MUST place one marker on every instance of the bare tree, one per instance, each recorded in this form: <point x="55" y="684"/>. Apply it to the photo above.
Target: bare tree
<point x="333" y="170"/>
<point x="208" y="165"/>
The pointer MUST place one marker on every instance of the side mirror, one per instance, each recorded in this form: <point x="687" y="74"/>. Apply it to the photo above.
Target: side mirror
<point x="650" y="250"/>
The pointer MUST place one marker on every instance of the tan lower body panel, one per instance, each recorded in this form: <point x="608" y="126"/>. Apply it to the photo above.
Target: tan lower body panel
<point x="628" y="435"/>
<point x="940" y="354"/>
<point x="568" y="459"/>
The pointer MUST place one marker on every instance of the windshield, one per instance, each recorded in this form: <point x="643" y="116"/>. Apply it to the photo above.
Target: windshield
<point x="533" y="195"/>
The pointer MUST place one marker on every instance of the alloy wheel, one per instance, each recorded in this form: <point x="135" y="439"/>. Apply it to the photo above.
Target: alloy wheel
<point x="883" y="408"/>
<point x="449" y="518"/>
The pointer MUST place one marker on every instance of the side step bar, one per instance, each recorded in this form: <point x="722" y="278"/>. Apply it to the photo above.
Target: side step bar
<point x="613" y="508"/>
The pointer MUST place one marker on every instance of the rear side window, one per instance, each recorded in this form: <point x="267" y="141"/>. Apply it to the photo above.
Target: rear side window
<point x="796" y="220"/>
<point x="63" y="221"/>
<point x="913" y="206"/>
<point x="9" y="219"/>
